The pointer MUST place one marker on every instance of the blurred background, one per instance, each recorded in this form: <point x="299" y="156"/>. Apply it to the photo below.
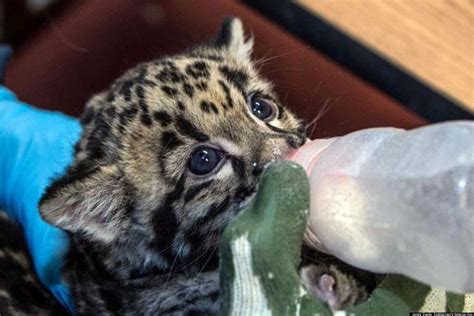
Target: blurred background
<point x="350" y="63"/>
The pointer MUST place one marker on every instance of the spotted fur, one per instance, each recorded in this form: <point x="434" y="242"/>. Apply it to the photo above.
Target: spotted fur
<point x="145" y="231"/>
<point x="21" y="293"/>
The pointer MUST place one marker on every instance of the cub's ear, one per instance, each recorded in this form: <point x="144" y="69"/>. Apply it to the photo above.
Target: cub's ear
<point x="91" y="202"/>
<point x="232" y="38"/>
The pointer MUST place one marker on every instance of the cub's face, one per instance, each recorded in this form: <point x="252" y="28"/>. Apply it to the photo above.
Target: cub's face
<point x="172" y="151"/>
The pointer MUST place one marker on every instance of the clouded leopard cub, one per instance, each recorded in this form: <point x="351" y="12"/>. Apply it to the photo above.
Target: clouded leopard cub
<point x="168" y="155"/>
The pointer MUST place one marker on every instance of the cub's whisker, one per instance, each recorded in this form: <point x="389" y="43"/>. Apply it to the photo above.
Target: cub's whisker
<point x="323" y="111"/>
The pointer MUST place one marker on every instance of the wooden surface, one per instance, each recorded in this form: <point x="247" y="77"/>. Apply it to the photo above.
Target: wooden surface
<point x="431" y="39"/>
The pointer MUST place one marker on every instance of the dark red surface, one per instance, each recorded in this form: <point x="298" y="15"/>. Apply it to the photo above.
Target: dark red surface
<point x="94" y="41"/>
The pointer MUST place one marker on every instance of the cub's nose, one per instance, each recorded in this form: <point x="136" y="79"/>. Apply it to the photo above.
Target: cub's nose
<point x="296" y="140"/>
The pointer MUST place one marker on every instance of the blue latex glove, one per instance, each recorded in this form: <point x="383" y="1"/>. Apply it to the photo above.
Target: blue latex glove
<point x="35" y="147"/>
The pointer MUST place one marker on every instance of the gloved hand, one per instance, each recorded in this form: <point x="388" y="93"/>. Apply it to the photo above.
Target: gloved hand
<point x="36" y="146"/>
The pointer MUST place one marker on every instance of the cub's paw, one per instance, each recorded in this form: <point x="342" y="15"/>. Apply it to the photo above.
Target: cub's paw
<point x="329" y="285"/>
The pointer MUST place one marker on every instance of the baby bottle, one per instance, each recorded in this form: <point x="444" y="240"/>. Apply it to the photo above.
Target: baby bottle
<point x="394" y="201"/>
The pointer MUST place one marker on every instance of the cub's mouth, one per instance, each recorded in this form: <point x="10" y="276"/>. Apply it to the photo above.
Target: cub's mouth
<point x="245" y="196"/>
<point x="246" y="201"/>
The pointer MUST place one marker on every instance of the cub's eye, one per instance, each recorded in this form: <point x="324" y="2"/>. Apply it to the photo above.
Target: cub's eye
<point x="204" y="160"/>
<point x="262" y="108"/>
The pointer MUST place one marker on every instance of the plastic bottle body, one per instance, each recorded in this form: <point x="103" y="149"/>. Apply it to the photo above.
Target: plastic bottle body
<point x="396" y="201"/>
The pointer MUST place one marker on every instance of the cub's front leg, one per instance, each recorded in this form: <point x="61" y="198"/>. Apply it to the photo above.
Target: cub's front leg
<point x="331" y="286"/>
<point x="334" y="282"/>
